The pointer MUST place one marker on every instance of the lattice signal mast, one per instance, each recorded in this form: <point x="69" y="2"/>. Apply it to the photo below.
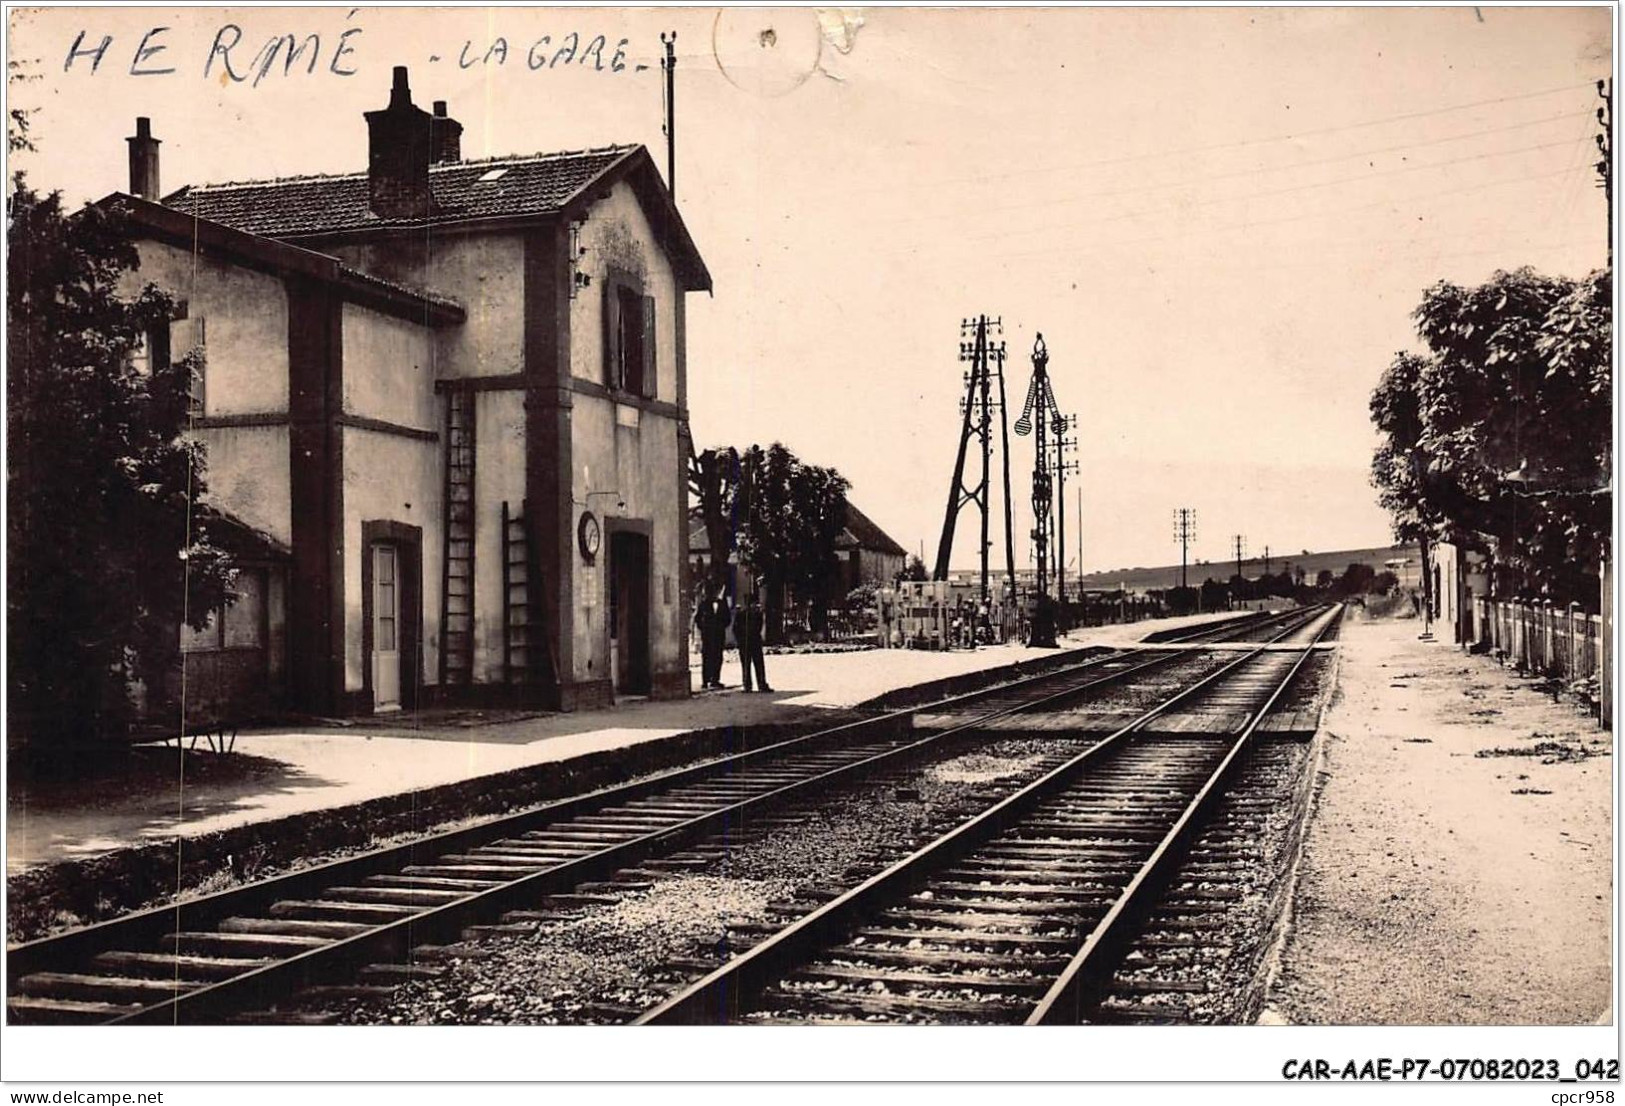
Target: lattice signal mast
<point x="1040" y="413"/>
<point x="981" y="345"/>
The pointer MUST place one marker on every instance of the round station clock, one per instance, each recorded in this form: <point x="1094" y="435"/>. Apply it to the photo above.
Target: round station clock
<point x="588" y="535"/>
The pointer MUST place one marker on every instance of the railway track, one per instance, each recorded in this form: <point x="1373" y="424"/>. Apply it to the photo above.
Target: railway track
<point x="1022" y="914"/>
<point x="203" y="960"/>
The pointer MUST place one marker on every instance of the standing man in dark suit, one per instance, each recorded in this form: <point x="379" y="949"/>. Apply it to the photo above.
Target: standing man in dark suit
<point x="712" y="618"/>
<point x="748" y="633"/>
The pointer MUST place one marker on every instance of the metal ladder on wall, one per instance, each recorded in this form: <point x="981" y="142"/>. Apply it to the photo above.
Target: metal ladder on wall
<point x="457" y="596"/>
<point x="516" y="616"/>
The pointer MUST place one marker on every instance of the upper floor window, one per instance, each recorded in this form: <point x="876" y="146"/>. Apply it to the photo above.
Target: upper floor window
<point x="161" y="344"/>
<point x="186" y="335"/>
<point x="629" y="340"/>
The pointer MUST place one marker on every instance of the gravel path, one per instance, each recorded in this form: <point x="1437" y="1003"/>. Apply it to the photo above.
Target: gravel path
<point x="1458" y="867"/>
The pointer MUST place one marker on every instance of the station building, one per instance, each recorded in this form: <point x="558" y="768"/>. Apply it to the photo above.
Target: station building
<point x="445" y="408"/>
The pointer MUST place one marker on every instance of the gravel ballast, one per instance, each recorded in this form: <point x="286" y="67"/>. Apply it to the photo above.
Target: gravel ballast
<point x="614" y="959"/>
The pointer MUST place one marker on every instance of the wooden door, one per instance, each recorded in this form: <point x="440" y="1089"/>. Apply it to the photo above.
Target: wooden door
<point x="386" y="624"/>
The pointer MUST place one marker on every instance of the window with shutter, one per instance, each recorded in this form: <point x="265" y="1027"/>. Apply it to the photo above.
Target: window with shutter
<point x="650" y="389"/>
<point x="631" y="345"/>
<point x="185" y="336"/>
<point x="612" y="334"/>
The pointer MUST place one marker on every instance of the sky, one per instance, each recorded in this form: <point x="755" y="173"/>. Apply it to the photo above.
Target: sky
<point x="1219" y="219"/>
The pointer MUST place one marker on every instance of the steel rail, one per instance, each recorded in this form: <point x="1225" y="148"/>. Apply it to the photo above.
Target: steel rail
<point x="1085" y="977"/>
<point x="719" y="996"/>
<point x="393" y="939"/>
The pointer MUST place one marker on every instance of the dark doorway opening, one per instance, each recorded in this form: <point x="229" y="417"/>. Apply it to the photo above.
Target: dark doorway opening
<point x="629" y="611"/>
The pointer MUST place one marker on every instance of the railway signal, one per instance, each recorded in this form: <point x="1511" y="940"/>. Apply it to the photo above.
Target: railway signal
<point x="1039" y="416"/>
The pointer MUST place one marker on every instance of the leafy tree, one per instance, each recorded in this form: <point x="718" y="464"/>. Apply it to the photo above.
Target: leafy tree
<point x="793" y="513"/>
<point x="1215" y="595"/>
<point x="1357" y="579"/>
<point x="107" y="535"/>
<point x="1502" y="429"/>
<point x="915" y="570"/>
<point x="1406" y="480"/>
<point x="713" y="481"/>
<point x="1325" y="578"/>
<point x="781" y="515"/>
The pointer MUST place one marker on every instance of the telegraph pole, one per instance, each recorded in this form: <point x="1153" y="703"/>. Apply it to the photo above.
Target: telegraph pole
<point x="1241" y="541"/>
<point x="1184" y="534"/>
<point x="1605" y="166"/>
<point x="1063" y="423"/>
<point x="996" y="360"/>
<point x="1606" y="569"/>
<point x="1266" y="560"/>
<point x="986" y="357"/>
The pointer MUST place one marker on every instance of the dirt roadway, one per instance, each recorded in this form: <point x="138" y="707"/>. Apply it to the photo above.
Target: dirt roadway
<point x="1440" y="885"/>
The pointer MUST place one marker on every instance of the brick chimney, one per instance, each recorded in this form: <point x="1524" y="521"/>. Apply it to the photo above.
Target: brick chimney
<point x="143" y="160"/>
<point x="446" y="136"/>
<point x="399" y="139"/>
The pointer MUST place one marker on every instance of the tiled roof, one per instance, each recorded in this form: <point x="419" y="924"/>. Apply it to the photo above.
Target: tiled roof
<point x="866" y="535"/>
<point x="537" y="184"/>
<point x="395" y="288"/>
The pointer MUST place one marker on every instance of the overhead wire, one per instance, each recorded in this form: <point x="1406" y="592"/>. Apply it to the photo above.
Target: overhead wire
<point x="1180" y="151"/>
<point x="1272" y="192"/>
<point x="1283" y="168"/>
<point x="1051" y="229"/>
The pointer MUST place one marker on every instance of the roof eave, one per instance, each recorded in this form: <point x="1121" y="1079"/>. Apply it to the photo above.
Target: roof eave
<point x="680" y="247"/>
<point x="278" y="258"/>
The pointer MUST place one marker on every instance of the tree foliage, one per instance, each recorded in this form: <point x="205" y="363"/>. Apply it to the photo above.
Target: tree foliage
<point x="781" y="515"/>
<point x="107" y="538"/>
<point x="713" y="482"/>
<point x="1499" y="434"/>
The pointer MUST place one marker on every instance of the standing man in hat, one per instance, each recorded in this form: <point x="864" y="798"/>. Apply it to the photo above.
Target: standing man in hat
<point x="748" y="633"/>
<point x="712" y="618"/>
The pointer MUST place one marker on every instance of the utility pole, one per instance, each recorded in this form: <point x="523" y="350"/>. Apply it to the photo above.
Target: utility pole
<point x="976" y="407"/>
<point x="996" y="359"/>
<point x="1240" y="541"/>
<point x="669" y="64"/>
<point x="1605" y="570"/>
<point x="1184" y="534"/>
<point x="1063" y="423"/>
<point x="1266" y="560"/>
<point x="1605" y="166"/>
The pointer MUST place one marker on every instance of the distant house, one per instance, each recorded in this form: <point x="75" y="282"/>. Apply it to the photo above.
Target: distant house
<point x="868" y="553"/>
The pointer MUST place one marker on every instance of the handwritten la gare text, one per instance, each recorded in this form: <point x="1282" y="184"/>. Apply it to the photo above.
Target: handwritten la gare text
<point x="289" y="55"/>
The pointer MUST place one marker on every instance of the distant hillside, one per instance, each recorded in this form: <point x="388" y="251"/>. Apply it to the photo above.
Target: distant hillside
<point x="1167" y="576"/>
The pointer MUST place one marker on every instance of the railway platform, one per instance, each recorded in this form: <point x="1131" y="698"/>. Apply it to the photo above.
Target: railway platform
<point x="1459" y="866"/>
<point x="285" y="772"/>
